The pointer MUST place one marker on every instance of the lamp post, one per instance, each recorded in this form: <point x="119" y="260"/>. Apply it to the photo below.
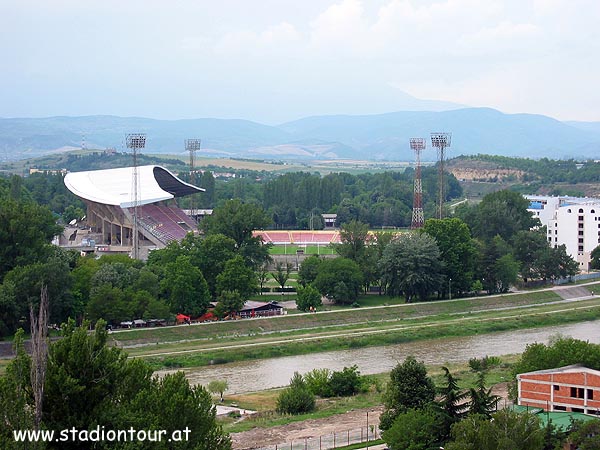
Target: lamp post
<point x="450" y="288"/>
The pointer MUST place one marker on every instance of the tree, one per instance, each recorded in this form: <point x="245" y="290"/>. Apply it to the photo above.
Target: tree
<point x="237" y="276"/>
<point x="528" y="245"/>
<point x="452" y="403"/>
<point x="494" y="274"/>
<point x="185" y="288"/>
<point x="595" y="263"/>
<point x="508" y="430"/>
<point x="109" y="303"/>
<point x="23" y="285"/>
<point x="409" y="388"/>
<point x="560" y="351"/>
<point x="262" y="275"/>
<point x="237" y="220"/>
<point x="213" y="253"/>
<point x="458" y="251"/>
<point x="169" y="403"/>
<point x="339" y="279"/>
<point x="308" y="297"/>
<point x="16" y="412"/>
<point x="507" y="271"/>
<point x="218" y="387"/>
<point x="411" y="266"/>
<point x="297" y="398"/>
<point x="89" y="385"/>
<point x="554" y="263"/>
<point x="587" y="436"/>
<point x="230" y="302"/>
<point x="282" y="274"/>
<point x="309" y="269"/>
<point x="26" y="230"/>
<point x="354" y="238"/>
<point x="501" y="213"/>
<point x="414" y="430"/>
<point x="482" y="402"/>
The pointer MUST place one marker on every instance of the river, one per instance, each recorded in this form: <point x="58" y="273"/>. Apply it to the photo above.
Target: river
<point x="254" y="375"/>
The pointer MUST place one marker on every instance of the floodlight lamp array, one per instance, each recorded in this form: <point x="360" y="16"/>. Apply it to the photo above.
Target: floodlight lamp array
<point x="417" y="143"/>
<point x="441" y="140"/>
<point x="136" y="140"/>
<point x="192" y="144"/>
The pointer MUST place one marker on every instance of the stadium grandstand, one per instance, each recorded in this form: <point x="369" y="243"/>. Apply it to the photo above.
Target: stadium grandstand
<point x="110" y="202"/>
<point x="295" y="237"/>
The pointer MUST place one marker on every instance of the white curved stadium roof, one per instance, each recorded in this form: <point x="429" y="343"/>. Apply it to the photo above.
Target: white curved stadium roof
<point x="115" y="186"/>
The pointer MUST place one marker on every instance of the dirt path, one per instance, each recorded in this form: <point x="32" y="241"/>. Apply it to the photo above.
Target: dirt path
<point x="299" y="431"/>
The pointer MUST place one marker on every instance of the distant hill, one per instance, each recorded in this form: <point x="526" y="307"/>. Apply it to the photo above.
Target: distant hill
<point x="373" y="137"/>
<point x="474" y="130"/>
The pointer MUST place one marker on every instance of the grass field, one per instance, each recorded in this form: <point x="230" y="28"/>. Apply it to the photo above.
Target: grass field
<point x="307" y="249"/>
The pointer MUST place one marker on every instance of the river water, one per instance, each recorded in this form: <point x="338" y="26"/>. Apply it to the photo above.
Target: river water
<point x="248" y="376"/>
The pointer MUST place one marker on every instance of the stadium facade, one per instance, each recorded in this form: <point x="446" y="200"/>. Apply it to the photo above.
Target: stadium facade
<point x="111" y="202"/>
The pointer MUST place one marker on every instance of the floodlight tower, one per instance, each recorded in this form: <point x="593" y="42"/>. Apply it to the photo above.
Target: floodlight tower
<point x="136" y="142"/>
<point x="441" y="141"/>
<point x="418" y="219"/>
<point x="192" y="146"/>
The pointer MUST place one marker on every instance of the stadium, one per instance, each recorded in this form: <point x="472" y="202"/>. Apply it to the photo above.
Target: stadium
<point x="111" y="205"/>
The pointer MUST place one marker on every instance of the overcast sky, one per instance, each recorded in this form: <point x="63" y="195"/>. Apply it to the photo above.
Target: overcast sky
<point x="276" y="60"/>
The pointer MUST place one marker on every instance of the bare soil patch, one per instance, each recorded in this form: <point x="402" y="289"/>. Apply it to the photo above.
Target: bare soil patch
<point x="306" y="429"/>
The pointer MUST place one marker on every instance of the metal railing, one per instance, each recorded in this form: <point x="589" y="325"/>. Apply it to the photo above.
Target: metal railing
<point x="330" y="441"/>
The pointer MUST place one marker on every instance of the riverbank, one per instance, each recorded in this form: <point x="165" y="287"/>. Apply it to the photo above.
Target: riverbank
<point x="432" y="326"/>
<point x="337" y="414"/>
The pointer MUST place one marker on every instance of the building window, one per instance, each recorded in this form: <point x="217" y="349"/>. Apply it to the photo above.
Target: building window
<point x="580" y="218"/>
<point x="580" y="225"/>
<point x="593" y="211"/>
<point x="577" y="392"/>
<point x="581" y="240"/>
<point x="580" y="248"/>
<point x="580" y="232"/>
<point x="556" y="387"/>
<point x="580" y="211"/>
<point x="579" y="410"/>
<point x="590" y="394"/>
<point x="560" y="408"/>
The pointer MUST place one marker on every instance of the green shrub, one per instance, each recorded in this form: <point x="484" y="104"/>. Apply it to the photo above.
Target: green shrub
<point x="346" y="382"/>
<point x="297" y="398"/>
<point x="307" y="297"/>
<point x="317" y="381"/>
<point x="485" y="363"/>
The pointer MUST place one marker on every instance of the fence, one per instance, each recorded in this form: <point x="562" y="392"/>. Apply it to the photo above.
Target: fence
<point x="330" y="441"/>
<point x="580" y="277"/>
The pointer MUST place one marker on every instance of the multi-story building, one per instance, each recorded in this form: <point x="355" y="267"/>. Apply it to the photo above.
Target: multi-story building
<point x="572" y="388"/>
<point x="572" y="221"/>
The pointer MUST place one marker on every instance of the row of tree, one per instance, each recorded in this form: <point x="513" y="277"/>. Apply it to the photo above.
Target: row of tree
<point x="488" y="246"/>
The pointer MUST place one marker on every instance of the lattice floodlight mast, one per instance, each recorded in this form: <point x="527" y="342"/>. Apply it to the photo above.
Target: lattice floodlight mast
<point x="136" y="142"/>
<point x="441" y="141"/>
<point x="418" y="219"/>
<point x="192" y="146"/>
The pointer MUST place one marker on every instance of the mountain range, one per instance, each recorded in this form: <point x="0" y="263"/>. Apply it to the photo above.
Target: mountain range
<point x="371" y="137"/>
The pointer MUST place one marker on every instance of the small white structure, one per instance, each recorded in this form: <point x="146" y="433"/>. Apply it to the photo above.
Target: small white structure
<point x="572" y="221"/>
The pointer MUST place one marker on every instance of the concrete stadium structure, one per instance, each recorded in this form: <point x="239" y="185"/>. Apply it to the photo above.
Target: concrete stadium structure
<point x="110" y="202"/>
<point x="572" y="221"/>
